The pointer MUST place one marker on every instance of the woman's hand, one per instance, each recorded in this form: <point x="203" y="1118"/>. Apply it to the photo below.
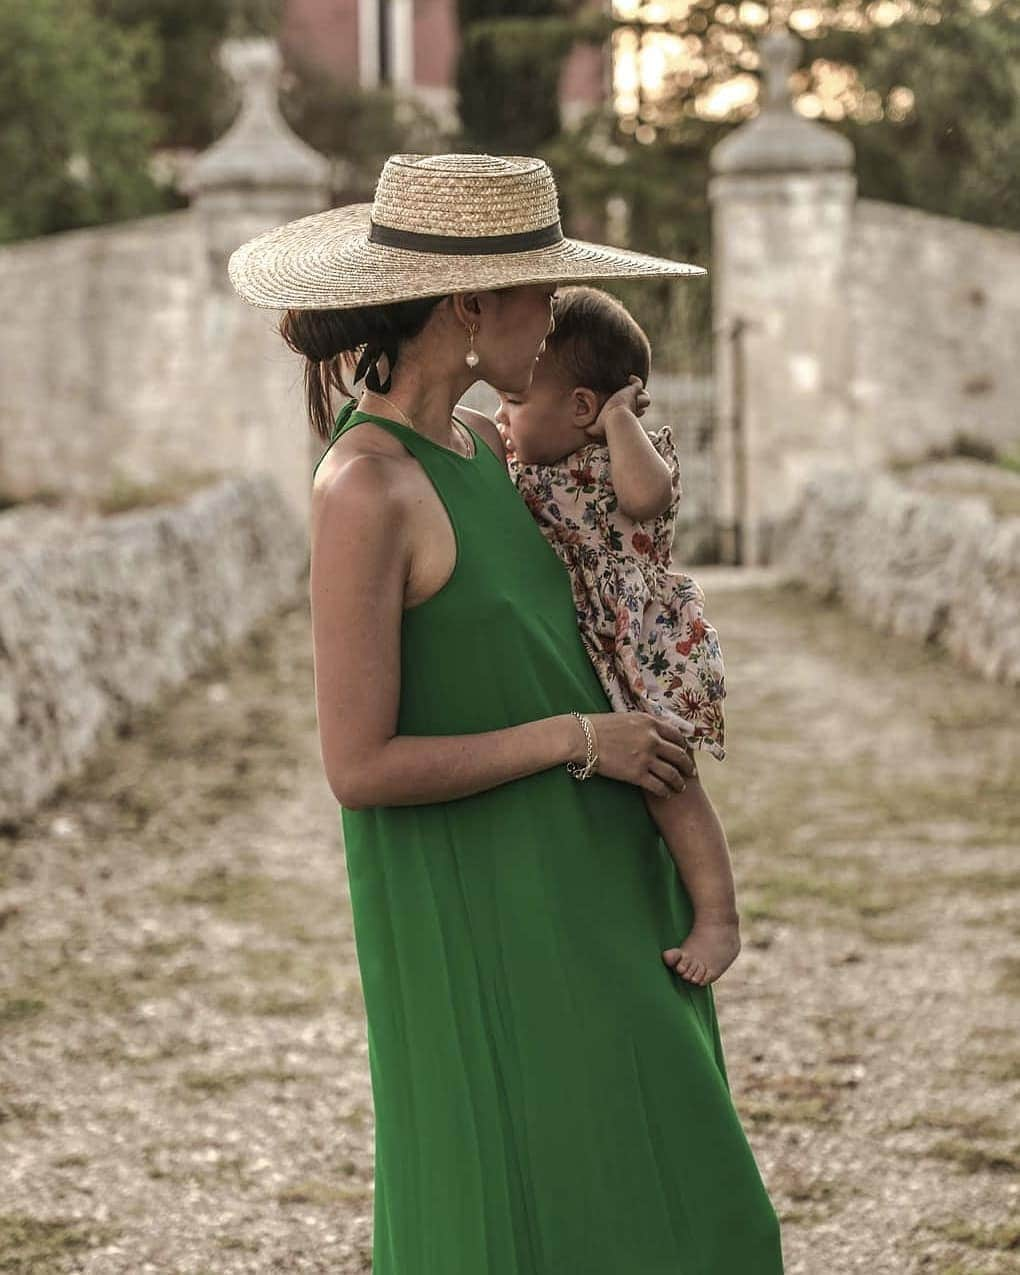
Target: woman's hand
<point x="642" y="749"/>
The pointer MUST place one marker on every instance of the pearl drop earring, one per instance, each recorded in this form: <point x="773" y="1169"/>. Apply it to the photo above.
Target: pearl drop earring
<point x="471" y="358"/>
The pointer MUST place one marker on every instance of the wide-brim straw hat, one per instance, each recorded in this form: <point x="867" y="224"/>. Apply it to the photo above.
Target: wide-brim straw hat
<point x="438" y="224"/>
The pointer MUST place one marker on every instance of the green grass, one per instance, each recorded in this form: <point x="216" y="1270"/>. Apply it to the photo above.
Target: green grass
<point x="973" y="1158"/>
<point x="220" y="1082"/>
<point x="1002" y="1067"/>
<point x="182" y="1161"/>
<point x="317" y="1191"/>
<point x="1009" y="979"/>
<point x="289" y="909"/>
<point x="811" y="1200"/>
<point x="962" y="1122"/>
<point x="32" y="1245"/>
<point x="14" y="1109"/>
<point x="123" y="494"/>
<point x="813" y="1099"/>
<point x="16" y="1009"/>
<point x="1005" y="1237"/>
<point x="51" y="496"/>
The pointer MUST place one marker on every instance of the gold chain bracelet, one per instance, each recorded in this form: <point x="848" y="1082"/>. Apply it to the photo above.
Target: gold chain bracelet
<point x="591" y="760"/>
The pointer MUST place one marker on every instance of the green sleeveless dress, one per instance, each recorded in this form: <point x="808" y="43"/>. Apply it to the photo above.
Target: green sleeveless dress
<point x="549" y="1098"/>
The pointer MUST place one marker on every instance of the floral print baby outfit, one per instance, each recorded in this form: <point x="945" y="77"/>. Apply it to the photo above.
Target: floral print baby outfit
<point x="642" y="623"/>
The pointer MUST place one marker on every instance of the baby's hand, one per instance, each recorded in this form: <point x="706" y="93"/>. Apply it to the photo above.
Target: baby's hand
<point x="633" y="398"/>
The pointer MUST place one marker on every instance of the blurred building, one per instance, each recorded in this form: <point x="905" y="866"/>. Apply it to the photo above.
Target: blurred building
<point x="413" y="45"/>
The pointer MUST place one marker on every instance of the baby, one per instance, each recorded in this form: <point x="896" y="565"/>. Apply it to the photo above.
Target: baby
<point x="605" y="492"/>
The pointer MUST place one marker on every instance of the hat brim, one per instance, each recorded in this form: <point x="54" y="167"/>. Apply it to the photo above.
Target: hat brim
<point x="326" y="262"/>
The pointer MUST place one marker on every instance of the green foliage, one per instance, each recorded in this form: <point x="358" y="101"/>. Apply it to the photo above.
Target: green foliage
<point x="512" y="54"/>
<point x="471" y="11"/>
<point x="663" y="186"/>
<point x="508" y="70"/>
<point x="198" y="100"/>
<point x="508" y="78"/>
<point x="360" y="126"/>
<point x="89" y="87"/>
<point x="76" y="138"/>
<point x="191" y="92"/>
<point x="957" y="151"/>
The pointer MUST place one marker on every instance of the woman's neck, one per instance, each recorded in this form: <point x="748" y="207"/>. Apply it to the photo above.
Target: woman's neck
<point x="426" y="401"/>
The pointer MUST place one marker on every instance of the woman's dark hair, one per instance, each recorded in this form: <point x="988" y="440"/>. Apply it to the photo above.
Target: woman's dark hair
<point x="335" y="340"/>
<point x="596" y="341"/>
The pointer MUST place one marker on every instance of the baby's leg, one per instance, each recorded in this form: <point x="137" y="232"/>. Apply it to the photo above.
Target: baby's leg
<point x="691" y="829"/>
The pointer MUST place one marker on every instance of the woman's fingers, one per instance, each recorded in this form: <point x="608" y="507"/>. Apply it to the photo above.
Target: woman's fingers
<point x="668" y="731"/>
<point x="644" y="749"/>
<point x="669" y="775"/>
<point x="678" y="756"/>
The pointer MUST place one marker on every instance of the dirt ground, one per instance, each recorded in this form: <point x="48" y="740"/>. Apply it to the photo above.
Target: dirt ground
<point x="184" y="1080"/>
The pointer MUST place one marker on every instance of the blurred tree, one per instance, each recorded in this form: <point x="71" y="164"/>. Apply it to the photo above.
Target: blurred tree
<point x="948" y="137"/>
<point x="359" y="126"/>
<point x="509" y="66"/>
<point x="651" y="197"/>
<point x="191" y="93"/>
<point x="931" y="102"/>
<point x="198" y="101"/>
<point x="508" y="75"/>
<point x="76" y="140"/>
<point x="927" y="90"/>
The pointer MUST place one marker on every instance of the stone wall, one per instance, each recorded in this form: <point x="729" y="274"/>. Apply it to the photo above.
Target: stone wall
<point x="685" y="403"/>
<point x="930" y="566"/>
<point x="846" y="330"/>
<point x="935" y="317"/>
<point x="129" y="358"/>
<point x="100" y="616"/>
<point x="98" y="368"/>
<point x="872" y="333"/>
<point x="129" y="362"/>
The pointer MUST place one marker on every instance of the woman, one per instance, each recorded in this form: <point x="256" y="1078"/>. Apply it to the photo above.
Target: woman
<point x="550" y="1098"/>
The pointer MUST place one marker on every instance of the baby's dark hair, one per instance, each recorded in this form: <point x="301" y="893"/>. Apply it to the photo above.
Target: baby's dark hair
<point x="596" y="342"/>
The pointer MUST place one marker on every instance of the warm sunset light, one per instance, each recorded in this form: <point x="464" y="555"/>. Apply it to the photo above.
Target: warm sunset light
<point x="660" y="54"/>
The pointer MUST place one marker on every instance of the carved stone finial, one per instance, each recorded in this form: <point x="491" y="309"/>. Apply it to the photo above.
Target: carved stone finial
<point x="780" y="53"/>
<point x="778" y="139"/>
<point x="259" y="149"/>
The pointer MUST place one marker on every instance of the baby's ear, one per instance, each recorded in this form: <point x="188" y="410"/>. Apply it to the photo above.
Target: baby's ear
<point x="585" y="406"/>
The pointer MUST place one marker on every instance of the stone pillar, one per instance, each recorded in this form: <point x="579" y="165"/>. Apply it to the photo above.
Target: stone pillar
<point x="782" y="192"/>
<point x="258" y="175"/>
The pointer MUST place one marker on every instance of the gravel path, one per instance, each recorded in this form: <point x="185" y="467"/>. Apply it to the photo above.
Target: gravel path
<point x="183" y="1069"/>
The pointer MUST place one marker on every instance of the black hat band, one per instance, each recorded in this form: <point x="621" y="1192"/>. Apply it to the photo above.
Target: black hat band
<point x="466" y="245"/>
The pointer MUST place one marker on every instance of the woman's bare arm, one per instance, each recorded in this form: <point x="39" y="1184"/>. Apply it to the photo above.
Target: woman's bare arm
<point x="359" y="564"/>
<point x="359" y="568"/>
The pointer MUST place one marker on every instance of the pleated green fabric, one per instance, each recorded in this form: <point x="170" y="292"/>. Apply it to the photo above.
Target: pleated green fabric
<point x="549" y="1098"/>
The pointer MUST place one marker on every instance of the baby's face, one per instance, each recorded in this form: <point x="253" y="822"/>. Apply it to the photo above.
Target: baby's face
<point x="538" y="424"/>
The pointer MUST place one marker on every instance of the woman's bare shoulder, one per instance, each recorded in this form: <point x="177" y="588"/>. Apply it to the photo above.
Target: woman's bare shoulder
<point x="361" y="481"/>
<point x="485" y="426"/>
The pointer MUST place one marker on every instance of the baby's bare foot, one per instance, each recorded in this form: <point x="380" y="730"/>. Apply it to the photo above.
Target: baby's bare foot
<point x="707" y="952"/>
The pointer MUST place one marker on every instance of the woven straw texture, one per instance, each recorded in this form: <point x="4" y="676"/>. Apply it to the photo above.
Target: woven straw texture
<point x="326" y="261"/>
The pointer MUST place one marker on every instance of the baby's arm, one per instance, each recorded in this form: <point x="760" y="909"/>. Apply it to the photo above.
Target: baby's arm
<point x="641" y="478"/>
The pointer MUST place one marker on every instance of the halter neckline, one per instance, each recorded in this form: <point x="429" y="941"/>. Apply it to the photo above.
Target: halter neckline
<point x="351" y="409"/>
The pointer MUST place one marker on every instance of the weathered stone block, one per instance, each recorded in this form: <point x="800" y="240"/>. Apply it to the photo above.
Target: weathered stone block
<point x="102" y="616"/>
<point x="928" y="567"/>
